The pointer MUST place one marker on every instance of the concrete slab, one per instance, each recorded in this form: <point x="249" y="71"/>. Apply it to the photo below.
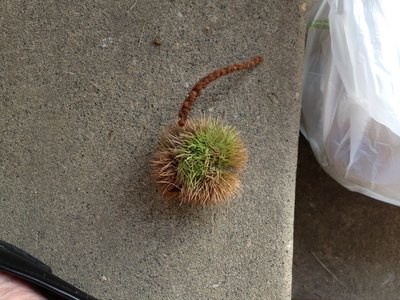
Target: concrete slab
<point x="85" y="95"/>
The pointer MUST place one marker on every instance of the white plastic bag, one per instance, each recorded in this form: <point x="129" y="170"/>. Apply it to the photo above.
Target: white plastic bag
<point x="351" y="94"/>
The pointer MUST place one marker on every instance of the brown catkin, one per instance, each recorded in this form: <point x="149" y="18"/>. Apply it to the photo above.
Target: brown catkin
<point x="195" y="92"/>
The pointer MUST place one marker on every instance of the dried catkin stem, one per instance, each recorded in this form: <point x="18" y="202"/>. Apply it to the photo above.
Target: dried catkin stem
<point x="195" y="92"/>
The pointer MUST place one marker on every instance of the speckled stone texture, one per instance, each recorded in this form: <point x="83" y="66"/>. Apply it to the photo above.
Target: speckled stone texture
<point x="85" y="95"/>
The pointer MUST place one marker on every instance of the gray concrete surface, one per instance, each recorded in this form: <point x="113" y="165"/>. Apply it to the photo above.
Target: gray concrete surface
<point x="84" y="97"/>
<point x="346" y="245"/>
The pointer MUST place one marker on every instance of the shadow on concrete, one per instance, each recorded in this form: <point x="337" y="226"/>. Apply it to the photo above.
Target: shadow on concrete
<point x="346" y="245"/>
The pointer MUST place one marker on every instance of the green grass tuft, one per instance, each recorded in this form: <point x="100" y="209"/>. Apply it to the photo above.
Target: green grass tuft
<point x="318" y="24"/>
<point x="207" y="153"/>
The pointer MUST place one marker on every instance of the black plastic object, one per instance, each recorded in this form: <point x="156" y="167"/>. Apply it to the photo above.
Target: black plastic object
<point x="23" y="265"/>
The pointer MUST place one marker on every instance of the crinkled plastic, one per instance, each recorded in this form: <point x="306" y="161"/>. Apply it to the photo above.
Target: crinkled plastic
<point x="351" y="94"/>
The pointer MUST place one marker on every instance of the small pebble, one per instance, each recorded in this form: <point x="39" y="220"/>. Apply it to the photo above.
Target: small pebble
<point x="157" y="42"/>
